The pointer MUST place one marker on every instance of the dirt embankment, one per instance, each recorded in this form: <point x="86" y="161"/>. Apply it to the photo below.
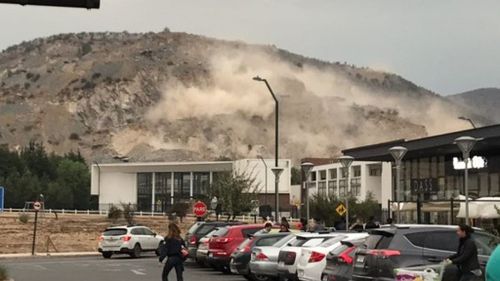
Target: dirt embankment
<point x="69" y="233"/>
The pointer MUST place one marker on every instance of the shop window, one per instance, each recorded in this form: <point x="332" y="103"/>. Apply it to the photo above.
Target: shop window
<point x="333" y="173"/>
<point x="144" y="191"/>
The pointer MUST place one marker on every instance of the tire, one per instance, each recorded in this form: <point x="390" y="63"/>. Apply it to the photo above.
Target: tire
<point x="107" y="255"/>
<point x="247" y="277"/>
<point x="136" y="252"/>
<point x="257" y="277"/>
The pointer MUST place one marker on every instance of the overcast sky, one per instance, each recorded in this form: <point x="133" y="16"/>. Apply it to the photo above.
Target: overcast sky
<point x="448" y="46"/>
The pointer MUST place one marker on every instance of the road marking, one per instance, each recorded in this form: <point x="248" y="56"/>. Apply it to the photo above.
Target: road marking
<point x="40" y="267"/>
<point x="137" y="272"/>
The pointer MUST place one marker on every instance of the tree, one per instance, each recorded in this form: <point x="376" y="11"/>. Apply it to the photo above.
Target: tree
<point x="296" y="176"/>
<point x="236" y="192"/>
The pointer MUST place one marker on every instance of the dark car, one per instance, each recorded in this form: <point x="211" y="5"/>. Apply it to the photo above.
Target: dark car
<point x="394" y="247"/>
<point x="240" y="258"/>
<point x="339" y="261"/>
<point x="200" y="229"/>
<point x="225" y="241"/>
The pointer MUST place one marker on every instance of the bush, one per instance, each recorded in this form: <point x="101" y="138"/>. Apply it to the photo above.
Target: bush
<point x="3" y="274"/>
<point x="128" y="213"/>
<point x="24" y="218"/>
<point x="114" y="213"/>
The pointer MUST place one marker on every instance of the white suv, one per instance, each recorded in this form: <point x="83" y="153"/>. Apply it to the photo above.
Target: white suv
<point x="132" y="240"/>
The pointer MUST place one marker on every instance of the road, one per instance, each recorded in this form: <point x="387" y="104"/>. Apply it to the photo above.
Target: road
<point x="98" y="269"/>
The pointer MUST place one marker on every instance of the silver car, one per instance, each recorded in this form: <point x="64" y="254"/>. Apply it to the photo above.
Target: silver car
<point x="264" y="260"/>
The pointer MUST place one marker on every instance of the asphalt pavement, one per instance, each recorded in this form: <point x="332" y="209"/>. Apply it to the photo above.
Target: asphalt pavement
<point x="98" y="269"/>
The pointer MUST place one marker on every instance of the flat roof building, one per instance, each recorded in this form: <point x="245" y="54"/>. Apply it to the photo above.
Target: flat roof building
<point x="155" y="186"/>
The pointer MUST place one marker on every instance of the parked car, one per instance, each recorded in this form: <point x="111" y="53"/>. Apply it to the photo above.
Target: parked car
<point x="199" y="230"/>
<point x="202" y="251"/>
<point x="240" y="258"/>
<point x="131" y="240"/>
<point x="225" y="240"/>
<point x="264" y="260"/>
<point x="399" y="246"/>
<point x="288" y="256"/>
<point x="339" y="261"/>
<point x="312" y="260"/>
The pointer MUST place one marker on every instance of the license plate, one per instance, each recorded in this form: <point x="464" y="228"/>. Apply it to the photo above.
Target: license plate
<point x="360" y="259"/>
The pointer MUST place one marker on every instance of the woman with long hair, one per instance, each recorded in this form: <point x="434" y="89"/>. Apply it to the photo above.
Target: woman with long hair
<point x="466" y="257"/>
<point x="172" y="250"/>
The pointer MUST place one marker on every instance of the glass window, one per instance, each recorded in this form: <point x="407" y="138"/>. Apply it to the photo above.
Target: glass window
<point x="322" y="188"/>
<point x="144" y="191"/>
<point x="442" y="240"/>
<point x="332" y="188"/>
<point x="147" y="231"/>
<point x="181" y="186"/>
<point x="137" y="231"/>
<point x="486" y="243"/>
<point x="417" y="239"/>
<point x="313" y="176"/>
<point x="333" y="173"/>
<point x="221" y="232"/>
<point x="285" y="240"/>
<point x="494" y="185"/>
<point x="356" y="187"/>
<point x="332" y="241"/>
<point x="434" y="167"/>
<point x="343" y="172"/>
<point x="201" y="182"/>
<point x="322" y="175"/>
<point x="441" y="164"/>
<point x="424" y="168"/>
<point x="250" y="231"/>
<point x="268" y="241"/>
<point x="194" y="227"/>
<point x="163" y="183"/>
<point x="115" y="232"/>
<point x="375" y="171"/>
<point x="473" y="185"/>
<point x="356" y="171"/>
<point x="342" y="188"/>
<point x="483" y="185"/>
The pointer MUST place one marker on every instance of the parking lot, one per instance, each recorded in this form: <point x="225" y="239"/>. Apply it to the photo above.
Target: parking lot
<point x="97" y="269"/>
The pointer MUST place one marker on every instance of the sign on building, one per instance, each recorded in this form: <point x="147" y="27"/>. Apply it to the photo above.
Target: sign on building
<point x="424" y="186"/>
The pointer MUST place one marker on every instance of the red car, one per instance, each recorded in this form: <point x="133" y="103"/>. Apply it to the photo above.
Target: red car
<point x="225" y="241"/>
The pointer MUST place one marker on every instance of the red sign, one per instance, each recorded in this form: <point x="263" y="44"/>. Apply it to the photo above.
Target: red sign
<point x="200" y="209"/>
<point x="37" y="206"/>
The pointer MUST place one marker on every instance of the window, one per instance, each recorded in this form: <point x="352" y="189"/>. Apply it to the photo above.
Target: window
<point x="137" y="231"/>
<point x="331" y="241"/>
<point x="375" y="172"/>
<point x="442" y="240"/>
<point x="322" y="175"/>
<point x="204" y="229"/>
<point x="322" y="188"/>
<point x="115" y="232"/>
<point x="356" y="187"/>
<point x="332" y="188"/>
<point x="378" y="240"/>
<point x="313" y="176"/>
<point x="285" y="240"/>
<point x="221" y="232"/>
<point x="146" y="231"/>
<point x="343" y="173"/>
<point x="342" y="188"/>
<point x="181" y="186"/>
<point x="249" y="231"/>
<point x="163" y="184"/>
<point x="201" y="181"/>
<point x="144" y="191"/>
<point x="417" y="239"/>
<point x="268" y="241"/>
<point x="494" y="185"/>
<point x="486" y="243"/>
<point x="306" y="242"/>
<point x="333" y="173"/>
<point x="356" y="171"/>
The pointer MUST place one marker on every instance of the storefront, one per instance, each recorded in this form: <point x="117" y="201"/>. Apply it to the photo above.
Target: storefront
<point x="432" y="172"/>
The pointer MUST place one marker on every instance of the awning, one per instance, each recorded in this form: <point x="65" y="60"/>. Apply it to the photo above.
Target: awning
<point x="481" y="208"/>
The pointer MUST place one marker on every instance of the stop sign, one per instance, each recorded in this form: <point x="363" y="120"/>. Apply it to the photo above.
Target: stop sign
<point x="200" y="209"/>
<point x="37" y="206"/>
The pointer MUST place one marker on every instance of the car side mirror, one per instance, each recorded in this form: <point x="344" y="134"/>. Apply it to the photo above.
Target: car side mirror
<point x="154" y="234"/>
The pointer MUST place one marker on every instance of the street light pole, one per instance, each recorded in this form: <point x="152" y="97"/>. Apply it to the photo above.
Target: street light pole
<point x="277" y="173"/>
<point x="469" y="120"/>
<point x="466" y="144"/>
<point x="398" y="152"/>
<point x="346" y="162"/>
<point x="306" y="169"/>
<point x="276" y="136"/>
<point x="265" y="181"/>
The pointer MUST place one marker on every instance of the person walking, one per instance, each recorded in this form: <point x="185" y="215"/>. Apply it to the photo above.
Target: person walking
<point x="172" y="251"/>
<point x="466" y="257"/>
<point x="371" y="224"/>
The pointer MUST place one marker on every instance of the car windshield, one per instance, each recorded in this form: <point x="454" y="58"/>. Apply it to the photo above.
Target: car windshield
<point x="220" y="232"/>
<point x="331" y="241"/>
<point x="307" y="241"/>
<point x="485" y="242"/>
<point x="284" y="241"/>
<point x="115" y="232"/>
<point x="245" y="243"/>
<point x="194" y="227"/>
<point x="205" y="229"/>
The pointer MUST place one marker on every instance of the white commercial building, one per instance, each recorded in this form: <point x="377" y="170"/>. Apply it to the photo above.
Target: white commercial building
<point x="158" y="185"/>
<point x="366" y="178"/>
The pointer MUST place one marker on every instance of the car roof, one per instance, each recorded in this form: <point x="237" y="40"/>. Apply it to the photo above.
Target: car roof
<point x="244" y="226"/>
<point x="416" y="226"/>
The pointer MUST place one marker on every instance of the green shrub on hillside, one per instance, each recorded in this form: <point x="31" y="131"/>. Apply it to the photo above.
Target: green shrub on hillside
<point x="23" y="217"/>
<point x="3" y="274"/>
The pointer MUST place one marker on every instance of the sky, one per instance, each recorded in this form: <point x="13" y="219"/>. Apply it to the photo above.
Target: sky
<point x="447" y="46"/>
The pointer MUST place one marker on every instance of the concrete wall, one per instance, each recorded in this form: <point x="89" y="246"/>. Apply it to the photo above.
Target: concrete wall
<point x="118" y="188"/>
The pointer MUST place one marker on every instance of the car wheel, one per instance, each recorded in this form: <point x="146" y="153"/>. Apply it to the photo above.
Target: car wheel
<point x="136" y="252"/>
<point x="258" y="277"/>
<point x="107" y="255"/>
<point x="247" y="277"/>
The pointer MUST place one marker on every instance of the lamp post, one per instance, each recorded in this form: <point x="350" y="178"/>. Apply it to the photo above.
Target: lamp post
<point x="469" y="120"/>
<point x="398" y="152"/>
<point x="466" y="144"/>
<point x="276" y="136"/>
<point x="277" y="173"/>
<point x="306" y="169"/>
<point x="346" y="162"/>
<point x="265" y="175"/>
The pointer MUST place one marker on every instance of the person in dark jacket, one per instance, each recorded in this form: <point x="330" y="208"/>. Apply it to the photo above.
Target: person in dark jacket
<point x="172" y="251"/>
<point x="371" y="223"/>
<point x="466" y="257"/>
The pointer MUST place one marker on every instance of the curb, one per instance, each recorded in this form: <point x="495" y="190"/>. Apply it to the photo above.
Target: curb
<point x="42" y="255"/>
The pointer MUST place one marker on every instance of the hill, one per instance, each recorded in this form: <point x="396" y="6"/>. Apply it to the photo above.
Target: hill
<point x="485" y="101"/>
<point x="177" y="96"/>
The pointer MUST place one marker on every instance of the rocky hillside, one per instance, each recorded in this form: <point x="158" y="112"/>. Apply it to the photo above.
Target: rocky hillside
<point x="481" y="101"/>
<point x="176" y="96"/>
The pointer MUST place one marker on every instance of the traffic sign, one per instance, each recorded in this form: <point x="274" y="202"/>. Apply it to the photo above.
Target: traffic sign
<point x="37" y="206"/>
<point x="200" y="209"/>
<point x="2" y="198"/>
<point x="341" y="209"/>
